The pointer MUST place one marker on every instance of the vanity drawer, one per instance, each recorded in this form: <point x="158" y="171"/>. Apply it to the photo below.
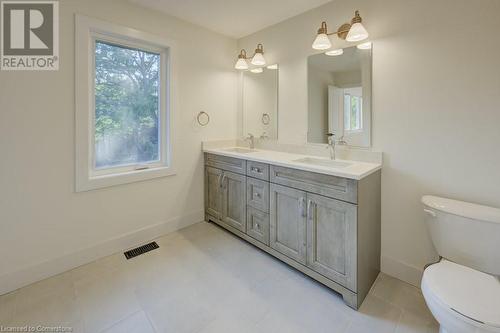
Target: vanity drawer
<point x="226" y="163"/>
<point x="258" y="194"/>
<point x="258" y="170"/>
<point x="258" y="225"/>
<point x="329" y="186"/>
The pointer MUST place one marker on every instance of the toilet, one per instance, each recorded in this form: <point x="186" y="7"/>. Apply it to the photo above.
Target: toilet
<point x="462" y="290"/>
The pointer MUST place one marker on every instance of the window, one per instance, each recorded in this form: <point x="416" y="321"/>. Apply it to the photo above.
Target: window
<point x="353" y="109"/>
<point x="122" y="105"/>
<point x="126" y="122"/>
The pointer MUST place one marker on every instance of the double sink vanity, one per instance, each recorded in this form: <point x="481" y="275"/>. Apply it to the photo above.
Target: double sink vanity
<point x="320" y="216"/>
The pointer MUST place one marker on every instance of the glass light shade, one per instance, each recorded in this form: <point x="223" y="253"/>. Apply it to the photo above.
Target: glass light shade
<point x="364" y="46"/>
<point x="241" y="64"/>
<point x="322" y="42"/>
<point x="258" y="59"/>
<point x="273" y="66"/>
<point x="336" y="52"/>
<point x="357" y="33"/>
<point x="257" y="70"/>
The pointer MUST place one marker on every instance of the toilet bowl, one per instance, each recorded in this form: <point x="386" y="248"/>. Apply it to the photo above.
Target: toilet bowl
<point x="462" y="291"/>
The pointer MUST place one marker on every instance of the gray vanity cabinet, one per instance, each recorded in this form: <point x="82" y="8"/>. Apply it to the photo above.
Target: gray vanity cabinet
<point x="326" y="226"/>
<point x="234" y="200"/>
<point x="332" y="239"/>
<point x="288" y="222"/>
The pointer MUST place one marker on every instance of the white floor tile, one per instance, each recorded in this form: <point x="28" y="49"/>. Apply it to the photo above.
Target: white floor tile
<point x="105" y="300"/>
<point x="375" y="316"/>
<point x="203" y="279"/>
<point x="8" y="307"/>
<point x="411" y="323"/>
<point x="136" y="323"/>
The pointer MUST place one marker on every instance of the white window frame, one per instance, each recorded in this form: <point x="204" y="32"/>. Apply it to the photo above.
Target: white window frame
<point x="87" y="31"/>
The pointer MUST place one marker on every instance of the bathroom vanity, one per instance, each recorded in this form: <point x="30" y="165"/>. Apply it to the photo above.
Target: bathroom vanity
<point x="319" y="216"/>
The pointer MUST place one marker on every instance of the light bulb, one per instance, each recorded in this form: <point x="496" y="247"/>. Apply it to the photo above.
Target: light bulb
<point x="336" y="52"/>
<point x="258" y="59"/>
<point x="364" y="46"/>
<point x="257" y="70"/>
<point x="357" y="33"/>
<point x="241" y="64"/>
<point x="322" y="42"/>
<point x="273" y="66"/>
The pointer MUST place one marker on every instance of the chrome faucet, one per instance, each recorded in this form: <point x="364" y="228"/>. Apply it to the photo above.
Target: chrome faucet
<point x="332" y="143"/>
<point x="251" y="138"/>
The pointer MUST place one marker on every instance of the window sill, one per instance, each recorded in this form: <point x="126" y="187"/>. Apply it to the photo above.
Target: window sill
<point x="89" y="183"/>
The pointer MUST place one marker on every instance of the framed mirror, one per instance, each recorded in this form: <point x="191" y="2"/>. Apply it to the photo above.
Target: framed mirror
<point x="260" y="102"/>
<point x="339" y="97"/>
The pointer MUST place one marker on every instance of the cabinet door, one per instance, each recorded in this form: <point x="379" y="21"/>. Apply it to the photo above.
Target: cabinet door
<point x="234" y="200"/>
<point x="331" y="239"/>
<point x="288" y="222"/>
<point x="213" y="196"/>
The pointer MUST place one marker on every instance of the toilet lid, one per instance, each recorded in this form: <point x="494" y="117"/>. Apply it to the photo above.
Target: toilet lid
<point x="471" y="293"/>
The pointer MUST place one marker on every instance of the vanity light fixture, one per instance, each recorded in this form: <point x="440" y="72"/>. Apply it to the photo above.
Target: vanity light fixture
<point x="257" y="58"/>
<point x="336" y="52"/>
<point x="364" y="46"/>
<point x="322" y="42"/>
<point x="242" y="60"/>
<point x="352" y="32"/>
<point x="357" y="31"/>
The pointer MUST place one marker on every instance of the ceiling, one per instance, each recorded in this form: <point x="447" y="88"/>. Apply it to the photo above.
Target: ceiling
<point x="233" y="18"/>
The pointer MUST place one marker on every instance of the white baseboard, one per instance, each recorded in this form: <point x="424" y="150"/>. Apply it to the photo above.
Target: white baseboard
<point x="23" y="277"/>
<point x="402" y="271"/>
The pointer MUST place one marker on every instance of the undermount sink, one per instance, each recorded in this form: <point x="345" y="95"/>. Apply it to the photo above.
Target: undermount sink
<point x="240" y="150"/>
<point x="323" y="162"/>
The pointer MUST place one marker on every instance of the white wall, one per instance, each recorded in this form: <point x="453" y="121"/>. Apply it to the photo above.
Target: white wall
<point x="436" y="105"/>
<point x="44" y="225"/>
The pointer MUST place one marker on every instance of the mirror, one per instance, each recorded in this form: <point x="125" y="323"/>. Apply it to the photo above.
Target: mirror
<point x="260" y="102"/>
<point x="339" y="97"/>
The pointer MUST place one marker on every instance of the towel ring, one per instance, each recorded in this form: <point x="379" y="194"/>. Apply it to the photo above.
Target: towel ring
<point x="266" y="119"/>
<point x="203" y="118"/>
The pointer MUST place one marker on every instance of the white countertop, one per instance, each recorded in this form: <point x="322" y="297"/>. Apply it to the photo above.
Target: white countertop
<point x="357" y="170"/>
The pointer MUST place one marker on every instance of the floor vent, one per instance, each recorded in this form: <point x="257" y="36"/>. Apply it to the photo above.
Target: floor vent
<point x="140" y="250"/>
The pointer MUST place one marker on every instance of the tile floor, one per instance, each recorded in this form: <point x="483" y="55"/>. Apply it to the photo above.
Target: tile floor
<point x="203" y="279"/>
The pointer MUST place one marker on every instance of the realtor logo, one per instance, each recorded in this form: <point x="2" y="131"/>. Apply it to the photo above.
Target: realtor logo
<point x="30" y="35"/>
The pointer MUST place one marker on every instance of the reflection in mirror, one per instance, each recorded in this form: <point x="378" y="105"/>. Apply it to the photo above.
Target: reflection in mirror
<point x="339" y="89"/>
<point x="260" y="102"/>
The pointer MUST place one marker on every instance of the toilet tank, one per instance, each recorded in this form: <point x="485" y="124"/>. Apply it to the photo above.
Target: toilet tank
<point x="465" y="233"/>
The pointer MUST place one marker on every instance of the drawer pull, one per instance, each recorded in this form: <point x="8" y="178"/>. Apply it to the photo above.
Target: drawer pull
<point x="256" y="195"/>
<point x="309" y="209"/>
<point x="302" y="204"/>
<point x="255" y="169"/>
